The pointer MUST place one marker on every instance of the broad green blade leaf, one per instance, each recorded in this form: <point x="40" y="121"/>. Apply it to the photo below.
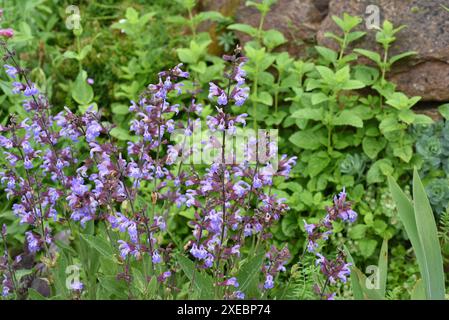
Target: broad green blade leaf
<point x="249" y="274"/>
<point x="359" y="280"/>
<point x="407" y="216"/>
<point x="355" y="281"/>
<point x="428" y="235"/>
<point x="114" y="288"/>
<point x="419" y="291"/>
<point x="203" y="283"/>
<point x="100" y="244"/>
<point x="383" y="268"/>
<point x="60" y="275"/>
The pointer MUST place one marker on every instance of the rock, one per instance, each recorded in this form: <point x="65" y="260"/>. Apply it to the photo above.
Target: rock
<point x="298" y="20"/>
<point x="427" y="33"/>
<point x="226" y="7"/>
<point x="429" y="109"/>
<point x="429" y="79"/>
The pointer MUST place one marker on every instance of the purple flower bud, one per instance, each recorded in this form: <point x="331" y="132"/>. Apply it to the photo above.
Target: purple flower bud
<point x="7" y="33"/>
<point x="124" y="249"/>
<point x="231" y="282"/>
<point x="30" y="91"/>
<point x="17" y="87"/>
<point x="93" y="130"/>
<point x="239" y="295"/>
<point x="239" y="95"/>
<point x="269" y="284"/>
<point x="5" y="142"/>
<point x="309" y="227"/>
<point x="27" y="163"/>
<point x="10" y="71"/>
<point x="156" y="258"/>
<point x="222" y="99"/>
<point x="199" y="253"/>
<point x="76" y="285"/>
<point x="33" y="242"/>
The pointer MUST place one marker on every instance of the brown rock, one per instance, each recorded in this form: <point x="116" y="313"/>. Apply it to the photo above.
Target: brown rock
<point x="298" y="20"/>
<point x="429" y="80"/>
<point x="427" y="33"/>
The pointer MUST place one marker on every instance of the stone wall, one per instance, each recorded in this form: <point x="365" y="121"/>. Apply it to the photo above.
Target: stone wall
<point x="304" y="22"/>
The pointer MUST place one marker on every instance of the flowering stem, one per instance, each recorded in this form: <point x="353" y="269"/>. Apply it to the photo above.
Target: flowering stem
<point x="11" y="270"/>
<point x="324" y="288"/>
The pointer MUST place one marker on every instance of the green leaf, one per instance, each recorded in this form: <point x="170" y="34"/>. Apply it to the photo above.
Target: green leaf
<point x="422" y="119"/>
<point x="428" y="236"/>
<point x="243" y="28"/>
<point x="273" y="38"/>
<point x="85" y="51"/>
<point x="202" y="282"/>
<point x="34" y="295"/>
<point x="383" y="268"/>
<point x="265" y="98"/>
<point x="82" y="92"/>
<point x="367" y="247"/>
<point x="348" y="118"/>
<point x="60" y="276"/>
<point x="444" y="110"/>
<point x="139" y="280"/>
<point x="306" y="140"/>
<point x="404" y="152"/>
<point x="319" y="163"/>
<point x="208" y="15"/>
<point x="373" y="145"/>
<point x="318" y="98"/>
<point x="419" y="291"/>
<point x="374" y="56"/>
<point x="186" y="55"/>
<point x="379" y="170"/>
<point x="99" y="244"/>
<point x="407" y="116"/>
<point x="248" y="275"/>
<point x="328" y="54"/>
<point x="367" y="75"/>
<point x="120" y="109"/>
<point x="70" y="55"/>
<point x="326" y="73"/>
<point x="407" y="216"/>
<point x="132" y="15"/>
<point x="355" y="281"/>
<point x="353" y="36"/>
<point x="309" y="114"/>
<point x="400" y="101"/>
<point x="358" y="231"/>
<point x="114" y="286"/>
<point x="403" y="55"/>
<point x="352" y="85"/>
<point x="120" y="134"/>
<point x="389" y="124"/>
<point x="359" y="280"/>
<point x="348" y="22"/>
